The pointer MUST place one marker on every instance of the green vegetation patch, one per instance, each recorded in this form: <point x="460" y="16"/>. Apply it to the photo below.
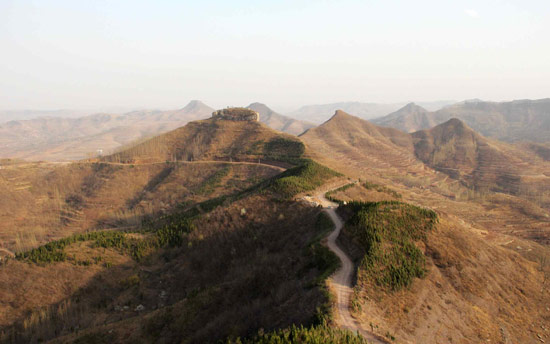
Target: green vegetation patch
<point x="284" y="149"/>
<point x="387" y="232"/>
<point x="304" y="335"/>
<point x="306" y="177"/>
<point x="171" y="234"/>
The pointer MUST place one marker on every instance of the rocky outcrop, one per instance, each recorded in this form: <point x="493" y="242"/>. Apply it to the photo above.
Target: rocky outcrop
<point x="236" y="114"/>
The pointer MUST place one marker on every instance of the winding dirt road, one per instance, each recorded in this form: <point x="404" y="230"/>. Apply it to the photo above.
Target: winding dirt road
<point x="341" y="280"/>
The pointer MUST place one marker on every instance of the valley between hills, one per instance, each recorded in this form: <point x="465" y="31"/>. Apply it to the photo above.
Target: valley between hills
<point x="221" y="230"/>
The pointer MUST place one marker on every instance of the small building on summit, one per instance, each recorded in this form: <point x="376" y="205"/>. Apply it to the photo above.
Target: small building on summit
<point x="236" y="114"/>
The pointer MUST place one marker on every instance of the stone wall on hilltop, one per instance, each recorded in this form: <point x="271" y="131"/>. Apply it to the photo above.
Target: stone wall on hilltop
<point x="236" y="114"/>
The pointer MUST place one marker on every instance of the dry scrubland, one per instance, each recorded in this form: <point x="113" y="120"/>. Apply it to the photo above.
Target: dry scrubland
<point x="208" y="242"/>
<point x="47" y="201"/>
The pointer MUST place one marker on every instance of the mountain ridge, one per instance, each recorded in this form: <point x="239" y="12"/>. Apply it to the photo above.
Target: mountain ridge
<point x="322" y="112"/>
<point x="518" y="120"/>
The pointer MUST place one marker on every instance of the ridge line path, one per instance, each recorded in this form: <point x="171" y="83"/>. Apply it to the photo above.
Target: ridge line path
<point x="341" y="280"/>
<point x="181" y="162"/>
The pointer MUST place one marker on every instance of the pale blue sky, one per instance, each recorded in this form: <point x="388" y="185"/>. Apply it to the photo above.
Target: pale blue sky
<point x="161" y="54"/>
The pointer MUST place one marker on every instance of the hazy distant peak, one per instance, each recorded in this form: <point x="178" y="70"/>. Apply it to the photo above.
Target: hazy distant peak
<point x="474" y="100"/>
<point x="256" y="106"/>
<point x="412" y="108"/>
<point x="265" y="112"/>
<point x="195" y="105"/>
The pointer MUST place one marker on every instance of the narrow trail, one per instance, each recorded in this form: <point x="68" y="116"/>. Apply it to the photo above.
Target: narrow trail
<point x="194" y="162"/>
<point x="341" y="280"/>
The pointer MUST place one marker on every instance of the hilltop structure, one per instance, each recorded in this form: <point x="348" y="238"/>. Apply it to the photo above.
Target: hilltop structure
<point x="237" y="114"/>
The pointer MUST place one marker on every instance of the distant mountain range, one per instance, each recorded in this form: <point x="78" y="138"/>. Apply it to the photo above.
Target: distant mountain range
<point x="320" y="113"/>
<point x="61" y="138"/>
<point x="519" y="120"/>
<point x="57" y="138"/>
<point x="6" y="116"/>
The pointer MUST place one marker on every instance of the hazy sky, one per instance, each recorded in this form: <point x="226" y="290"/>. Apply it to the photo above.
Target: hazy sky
<point x="160" y="53"/>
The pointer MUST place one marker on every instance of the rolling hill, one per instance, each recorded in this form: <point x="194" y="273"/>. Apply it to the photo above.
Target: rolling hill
<point x="457" y="150"/>
<point x="215" y="140"/>
<point x="359" y="142"/>
<point x="519" y="120"/>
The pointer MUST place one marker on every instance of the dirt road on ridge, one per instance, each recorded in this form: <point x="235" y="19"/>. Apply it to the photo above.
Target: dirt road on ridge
<point x="341" y="280"/>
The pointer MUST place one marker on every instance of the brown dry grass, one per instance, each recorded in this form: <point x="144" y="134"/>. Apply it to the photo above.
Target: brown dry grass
<point x="46" y="201"/>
